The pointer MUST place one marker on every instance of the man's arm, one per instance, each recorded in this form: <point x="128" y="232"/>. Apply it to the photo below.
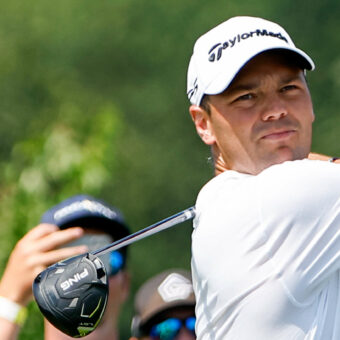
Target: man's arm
<point x="38" y="249"/>
<point x="305" y="207"/>
<point x="318" y="156"/>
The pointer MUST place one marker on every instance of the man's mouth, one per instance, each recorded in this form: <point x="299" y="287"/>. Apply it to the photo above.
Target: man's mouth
<point x="279" y="135"/>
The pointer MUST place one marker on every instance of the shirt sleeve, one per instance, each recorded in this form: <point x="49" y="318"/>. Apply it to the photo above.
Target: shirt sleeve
<point x="299" y="208"/>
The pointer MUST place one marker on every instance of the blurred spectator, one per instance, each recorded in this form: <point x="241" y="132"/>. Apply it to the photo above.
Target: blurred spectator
<point x="165" y="308"/>
<point x="77" y="225"/>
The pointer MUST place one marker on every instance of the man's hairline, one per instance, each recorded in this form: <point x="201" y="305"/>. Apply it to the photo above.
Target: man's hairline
<point x="205" y="104"/>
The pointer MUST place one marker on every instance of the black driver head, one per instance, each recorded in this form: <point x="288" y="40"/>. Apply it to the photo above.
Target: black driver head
<point x="72" y="294"/>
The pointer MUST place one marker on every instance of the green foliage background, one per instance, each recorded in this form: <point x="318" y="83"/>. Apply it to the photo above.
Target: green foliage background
<point x="92" y="99"/>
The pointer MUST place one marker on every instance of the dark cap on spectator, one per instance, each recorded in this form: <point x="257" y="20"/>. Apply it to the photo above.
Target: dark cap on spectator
<point x="87" y="212"/>
<point x="166" y="291"/>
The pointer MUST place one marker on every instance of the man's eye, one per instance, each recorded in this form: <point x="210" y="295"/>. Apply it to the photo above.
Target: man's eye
<point x="288" y="88"/>
<point x="245" y="97"/>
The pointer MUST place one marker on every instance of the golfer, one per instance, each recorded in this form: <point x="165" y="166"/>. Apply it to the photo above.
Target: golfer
<point x="266" y="240"/>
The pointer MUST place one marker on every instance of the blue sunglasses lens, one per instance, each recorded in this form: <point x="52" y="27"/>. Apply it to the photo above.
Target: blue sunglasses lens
<point x="168" y="329"/>
<point x="190" y="323"/>
<point x="116" y="262"/>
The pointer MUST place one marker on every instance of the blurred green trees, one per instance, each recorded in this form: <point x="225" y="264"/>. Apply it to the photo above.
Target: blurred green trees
<point x="92" y="99"/>
<point x="65" y="159"/>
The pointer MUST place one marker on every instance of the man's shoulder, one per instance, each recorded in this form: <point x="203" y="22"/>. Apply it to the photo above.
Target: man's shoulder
<point x="279" y="178"/>
<point x="305" y="167"/>
<point x="300" y="174"/>
<point x="302" y="190"/>
<point x="300" y="181"/>
<point x="222" y="186"/>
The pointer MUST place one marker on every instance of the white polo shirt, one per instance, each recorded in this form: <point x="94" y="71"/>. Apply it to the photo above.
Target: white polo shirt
<point x="266" y="254"/>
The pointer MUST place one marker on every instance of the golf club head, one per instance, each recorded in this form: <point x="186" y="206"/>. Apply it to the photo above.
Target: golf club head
<point x="72" y="294"/>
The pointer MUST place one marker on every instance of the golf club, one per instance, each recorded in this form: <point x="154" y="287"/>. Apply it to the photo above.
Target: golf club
<point x="72" y="294"/>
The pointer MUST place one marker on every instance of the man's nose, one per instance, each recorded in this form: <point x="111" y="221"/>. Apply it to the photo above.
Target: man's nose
<point x="184" y="334"/>
<point x="274" y="108"/>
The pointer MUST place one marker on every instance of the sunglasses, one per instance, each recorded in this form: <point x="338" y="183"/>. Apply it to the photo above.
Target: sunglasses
<point x="169" y="328"/>
<point x="114" y="262"/>
<point x="117" y="262"/>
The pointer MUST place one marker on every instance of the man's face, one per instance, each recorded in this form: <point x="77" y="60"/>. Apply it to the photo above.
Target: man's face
<point x="263" y="118"/>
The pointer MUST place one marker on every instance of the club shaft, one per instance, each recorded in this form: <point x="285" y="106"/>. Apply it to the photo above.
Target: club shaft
<point x="169" y="222"/>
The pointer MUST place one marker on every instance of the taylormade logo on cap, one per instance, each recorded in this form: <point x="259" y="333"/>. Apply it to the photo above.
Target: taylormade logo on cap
<point x="215" y="52"/>
<point x="220" y="53"/>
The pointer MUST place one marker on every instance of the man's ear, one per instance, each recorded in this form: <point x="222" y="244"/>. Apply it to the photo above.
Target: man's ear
<point x="202" y="122"/>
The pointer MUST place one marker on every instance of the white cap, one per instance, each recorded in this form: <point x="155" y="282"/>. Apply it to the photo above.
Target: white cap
<point x="220" y="53"/>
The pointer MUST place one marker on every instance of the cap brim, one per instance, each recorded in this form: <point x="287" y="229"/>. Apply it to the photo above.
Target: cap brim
<point x="115" y="229"/>
<point x="223" y="80"/>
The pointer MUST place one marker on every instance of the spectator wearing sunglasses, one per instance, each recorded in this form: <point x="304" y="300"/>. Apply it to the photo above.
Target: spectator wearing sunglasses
<point x="79" y="224"/>
<point x="165" y="308"/>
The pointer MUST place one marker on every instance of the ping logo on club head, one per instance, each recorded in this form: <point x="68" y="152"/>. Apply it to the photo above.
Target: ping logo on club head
<point x="65" y="285"/>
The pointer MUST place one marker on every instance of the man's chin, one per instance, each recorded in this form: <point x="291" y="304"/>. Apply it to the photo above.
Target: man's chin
<point x="281" y="157"/>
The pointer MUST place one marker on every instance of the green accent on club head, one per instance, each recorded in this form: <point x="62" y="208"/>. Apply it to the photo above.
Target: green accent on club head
<point x="84" y="330"/>
<point x="96" y="308"/>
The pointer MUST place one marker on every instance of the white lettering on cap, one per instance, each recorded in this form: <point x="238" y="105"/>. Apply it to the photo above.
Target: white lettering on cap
<point x="175" y="287"/>
<point x="91" y="206"/>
